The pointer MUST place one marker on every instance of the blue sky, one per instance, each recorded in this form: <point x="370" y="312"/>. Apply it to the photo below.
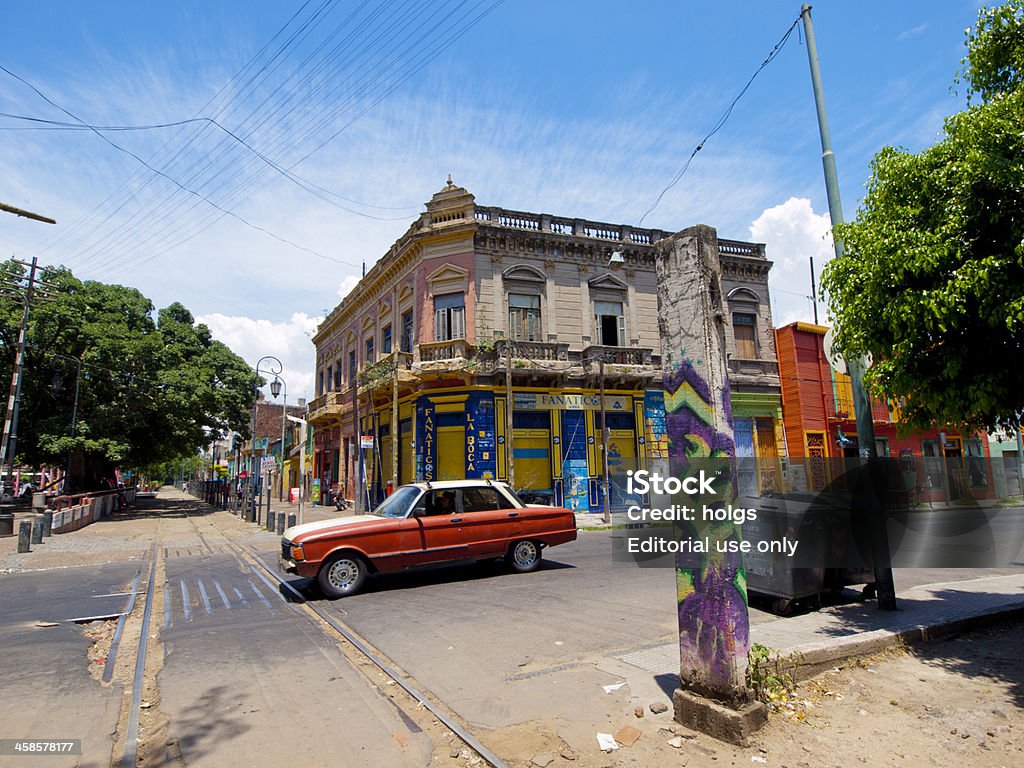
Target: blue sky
<point x="579" y="109"/>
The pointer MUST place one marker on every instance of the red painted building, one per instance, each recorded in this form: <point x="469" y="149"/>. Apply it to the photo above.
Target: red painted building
<point x="818" y="418"/>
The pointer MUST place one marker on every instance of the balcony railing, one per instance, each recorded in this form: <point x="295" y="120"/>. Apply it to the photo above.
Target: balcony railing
<point x="435" y="351"/>
<point x="753" y="367"/>
<point x="593" y="354"/>
<point x="532" y="350"/>
<point x="383" y="370"/>
<point x="329" y="404"/>
<point x="840" y="408"/>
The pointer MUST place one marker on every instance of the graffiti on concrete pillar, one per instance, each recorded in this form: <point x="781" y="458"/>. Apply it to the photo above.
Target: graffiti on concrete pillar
<point x="690" y="414"/>
<point x="711" y="589"/>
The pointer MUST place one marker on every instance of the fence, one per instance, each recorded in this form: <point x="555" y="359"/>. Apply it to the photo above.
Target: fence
<point x="73" y="512"/>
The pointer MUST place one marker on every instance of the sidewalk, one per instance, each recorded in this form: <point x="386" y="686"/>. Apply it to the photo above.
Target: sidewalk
<point x="816" y="640"/>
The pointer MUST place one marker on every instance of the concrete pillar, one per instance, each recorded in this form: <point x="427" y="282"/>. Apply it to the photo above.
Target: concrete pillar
<point x="37" y="530"/>
<point x="714" y="629"/>
<point x="24" y="536"/>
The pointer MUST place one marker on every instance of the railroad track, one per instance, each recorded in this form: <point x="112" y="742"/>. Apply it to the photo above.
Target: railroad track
<point x="414" y="704"/>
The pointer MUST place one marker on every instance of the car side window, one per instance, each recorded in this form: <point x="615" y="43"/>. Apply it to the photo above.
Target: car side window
<point x="481" y="499"/>
<point x="439" y="503"/>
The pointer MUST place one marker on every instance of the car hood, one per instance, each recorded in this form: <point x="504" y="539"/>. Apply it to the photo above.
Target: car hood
<point x="338" y="522"/>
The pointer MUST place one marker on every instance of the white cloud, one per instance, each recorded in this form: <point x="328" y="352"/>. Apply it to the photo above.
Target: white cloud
<point x="288" y="341"/>
<point x="793" y="233"/>
<point x="346" y="286"/>
<point x="913" y="31"/>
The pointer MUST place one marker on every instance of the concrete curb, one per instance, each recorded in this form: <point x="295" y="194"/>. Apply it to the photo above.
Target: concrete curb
<point x="806" y="661"/>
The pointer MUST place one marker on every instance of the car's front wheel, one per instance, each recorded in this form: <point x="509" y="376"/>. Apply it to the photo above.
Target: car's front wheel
<point x="524" y="556"/>
<point x="342" y="575"/>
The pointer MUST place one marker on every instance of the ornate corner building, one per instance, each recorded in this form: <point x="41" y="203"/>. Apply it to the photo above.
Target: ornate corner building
<point x="496" y="343"/>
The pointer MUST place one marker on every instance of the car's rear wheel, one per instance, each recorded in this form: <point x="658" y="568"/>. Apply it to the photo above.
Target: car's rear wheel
<point x="342" y="575"/>
<point x="524" y="556"/>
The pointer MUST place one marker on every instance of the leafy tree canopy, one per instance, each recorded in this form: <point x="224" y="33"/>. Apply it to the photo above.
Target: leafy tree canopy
<point x="931" y="283"/>
<point x="150" y="389"/>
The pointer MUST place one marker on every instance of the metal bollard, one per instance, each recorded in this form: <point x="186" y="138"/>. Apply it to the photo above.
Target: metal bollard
<point x="292" y="520"/>
<point x="280" y="523"/>
<point x="48" y="522"/>
<point x="37" y="530"/>
<point x="24" y="536"/>
<point x="271" y="521"/>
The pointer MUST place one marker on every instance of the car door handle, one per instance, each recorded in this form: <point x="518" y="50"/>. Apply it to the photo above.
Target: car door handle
<point x="513" y="514"/>
<point x="456" y="520"/>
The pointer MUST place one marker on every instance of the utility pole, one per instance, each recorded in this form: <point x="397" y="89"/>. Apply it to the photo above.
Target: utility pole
<point x="26" y="214"/>
<point x="396" y="432"/>
<point x="604" y="446"/>
<point x="814" y="292"/>
<point x="303" y="436"/>
<point x="509" y="424"/>
<point x="26" y="293"/>
<point x="357" y="432"/>
<point x="861" y="402"/>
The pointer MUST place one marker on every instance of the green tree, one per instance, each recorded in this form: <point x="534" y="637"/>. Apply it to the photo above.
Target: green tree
<point x="150" y="390"/>
<point x="931" y="283"/>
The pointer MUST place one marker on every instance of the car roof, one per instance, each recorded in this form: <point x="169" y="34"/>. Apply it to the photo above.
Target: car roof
<point x="444" y="485"/>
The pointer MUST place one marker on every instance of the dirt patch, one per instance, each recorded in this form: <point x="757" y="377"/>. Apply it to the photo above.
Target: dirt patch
<point x="960" y="698"/>
<point x="100" y="634"/>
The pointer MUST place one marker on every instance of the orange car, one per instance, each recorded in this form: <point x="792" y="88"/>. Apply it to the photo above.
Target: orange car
<point x="422" y="524"/>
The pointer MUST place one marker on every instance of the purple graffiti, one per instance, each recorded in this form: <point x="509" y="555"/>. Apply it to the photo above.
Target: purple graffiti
<point x="689" y="434"/>
<point x="714" y="628"/>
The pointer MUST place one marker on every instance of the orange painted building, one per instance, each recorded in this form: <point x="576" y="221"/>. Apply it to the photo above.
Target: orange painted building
<point x="820" y="426"/>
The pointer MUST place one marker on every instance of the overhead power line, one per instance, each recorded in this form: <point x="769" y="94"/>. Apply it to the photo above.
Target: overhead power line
<point x="321" y="72"/>
<point x="721" y="120"/>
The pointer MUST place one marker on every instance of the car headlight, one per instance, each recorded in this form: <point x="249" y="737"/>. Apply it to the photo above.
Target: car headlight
<point x="296" y="552"/>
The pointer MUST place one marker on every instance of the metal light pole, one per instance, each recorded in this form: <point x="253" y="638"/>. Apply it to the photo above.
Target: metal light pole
<point x="275" y="390"/>
<point x="303" y="426"/>
<point x="607" y="516"/>
<point x="274" y="367"/>
<point x="858" y="365"/>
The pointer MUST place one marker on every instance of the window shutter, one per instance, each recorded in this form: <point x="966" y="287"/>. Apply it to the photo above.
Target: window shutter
<point x="533" y="325"/>
<point x="458" y="322"/>
<point x="440" y="331"/>
<point x="622" y="330"/>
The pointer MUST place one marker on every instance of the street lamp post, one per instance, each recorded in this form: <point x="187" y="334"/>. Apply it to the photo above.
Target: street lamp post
<point x="303" y="427"/>
<point x="274" y="367"/>
<point x="275" y="390"/>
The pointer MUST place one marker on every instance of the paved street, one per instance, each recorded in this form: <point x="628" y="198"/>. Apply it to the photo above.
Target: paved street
<point x="44" y="662"/>
<point x="238" y="666"/>
<point x="243" y="672"/>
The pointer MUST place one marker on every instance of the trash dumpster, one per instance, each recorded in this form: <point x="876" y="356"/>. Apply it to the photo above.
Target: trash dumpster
<point x="807" y="519"/>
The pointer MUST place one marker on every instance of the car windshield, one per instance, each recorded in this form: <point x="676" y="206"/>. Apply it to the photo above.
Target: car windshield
<point x="398" y="503"/>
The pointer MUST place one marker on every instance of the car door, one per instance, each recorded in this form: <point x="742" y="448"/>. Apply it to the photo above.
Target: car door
<point x="490" y="521"/>
<point x="438" y="530"/>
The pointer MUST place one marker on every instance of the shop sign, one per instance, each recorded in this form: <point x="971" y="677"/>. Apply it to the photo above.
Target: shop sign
<point x="543" y="401"/>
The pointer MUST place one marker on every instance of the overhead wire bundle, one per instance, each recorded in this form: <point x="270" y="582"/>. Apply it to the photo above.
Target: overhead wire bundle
<point x="323" y="70"/>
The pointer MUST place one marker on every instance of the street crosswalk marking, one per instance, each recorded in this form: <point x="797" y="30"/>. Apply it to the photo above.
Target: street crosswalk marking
<point x="186" y="601"/>
<point x="223" y="597"/>
<point x="261" y="597"/>
<point x="179" y="602"/>
<point x="206" y="598"/>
